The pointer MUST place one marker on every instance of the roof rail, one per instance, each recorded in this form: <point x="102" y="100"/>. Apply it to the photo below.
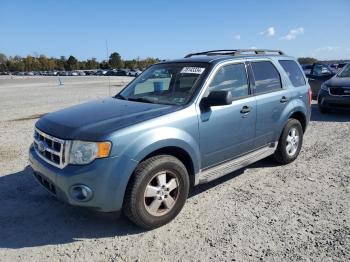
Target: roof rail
<point x="235" y="52"/>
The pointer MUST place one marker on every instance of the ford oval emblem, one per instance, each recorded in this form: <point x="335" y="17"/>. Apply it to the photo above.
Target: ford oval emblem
<point x="42" y="146"/>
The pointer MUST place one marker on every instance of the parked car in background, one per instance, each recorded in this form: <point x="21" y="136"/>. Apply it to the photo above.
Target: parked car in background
<point x="135" y="72"/>
<point x="63" y="73"/>
<point x="112" y="72"/>
<point x="337" y="67"/>
<point x="319" y="73"/>
<point x="81" y="73"/>
<point x="89" y="72"/>
<point x="306" y="69"/>
<point x="335" y="93"/>
<point x="101" y="72"/>
<point x="123" y="72"/>
<point x="180" y="124"/>
<point x="95" y="72"/>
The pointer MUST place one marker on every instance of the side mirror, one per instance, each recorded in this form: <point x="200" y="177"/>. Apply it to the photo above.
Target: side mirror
<point x="217" y="98"/>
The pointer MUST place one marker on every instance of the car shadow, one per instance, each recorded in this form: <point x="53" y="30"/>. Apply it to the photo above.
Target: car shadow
<point x="333" y="116"/>
<point x="30" y="216"/>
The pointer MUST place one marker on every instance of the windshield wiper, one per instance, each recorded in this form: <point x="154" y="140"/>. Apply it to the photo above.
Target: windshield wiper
<point x="141" y="99"/>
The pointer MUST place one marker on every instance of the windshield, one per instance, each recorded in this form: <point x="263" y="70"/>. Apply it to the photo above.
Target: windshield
<point x="172" y="84"/>
<point x="345" y="72"/>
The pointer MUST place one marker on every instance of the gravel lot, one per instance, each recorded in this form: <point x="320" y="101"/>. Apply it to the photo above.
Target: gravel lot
<point x="298" y="212"/>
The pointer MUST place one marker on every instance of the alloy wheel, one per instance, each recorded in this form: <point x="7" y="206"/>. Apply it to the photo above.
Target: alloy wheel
<point x="292" y="141"/>
<point x="161" y="193"/>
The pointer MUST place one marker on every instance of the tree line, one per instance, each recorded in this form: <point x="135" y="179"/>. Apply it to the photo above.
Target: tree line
<point x="311" y="60"/>
<point x="44" y="63"/>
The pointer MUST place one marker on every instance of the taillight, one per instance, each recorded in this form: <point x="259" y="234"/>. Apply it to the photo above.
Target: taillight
<point x="310" y="97"/>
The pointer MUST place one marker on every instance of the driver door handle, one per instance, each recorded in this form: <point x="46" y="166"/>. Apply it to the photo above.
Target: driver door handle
<point x="246" y="109"/>
<point x="284" y="99"/>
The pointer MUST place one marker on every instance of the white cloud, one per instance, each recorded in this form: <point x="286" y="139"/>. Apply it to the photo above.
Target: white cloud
<point x="253" y="47"/>
<point x="293" y="33"/>
<point x="327" y="49"/>
<point x="268" y="32"/>
<point x="237" y="37"/>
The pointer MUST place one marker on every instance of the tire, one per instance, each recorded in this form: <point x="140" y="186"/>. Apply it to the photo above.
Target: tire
<point x="145" y="192"/>
<point x="288" y="150"/>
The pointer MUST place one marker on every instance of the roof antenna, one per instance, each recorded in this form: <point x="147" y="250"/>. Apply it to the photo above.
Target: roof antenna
<point x="109" y="80"/>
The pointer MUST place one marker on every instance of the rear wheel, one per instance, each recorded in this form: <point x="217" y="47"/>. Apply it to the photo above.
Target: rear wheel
<point x="290" y="142"/>
<point x="157" y="191"/>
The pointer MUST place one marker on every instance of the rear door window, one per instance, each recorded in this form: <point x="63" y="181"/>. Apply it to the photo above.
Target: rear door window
<point x="293" y="71"/>
<point x="266" y="76"/>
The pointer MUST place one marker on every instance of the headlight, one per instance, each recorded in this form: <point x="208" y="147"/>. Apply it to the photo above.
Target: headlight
<point x="324" y="86"/>
<point x="85" y="152"/>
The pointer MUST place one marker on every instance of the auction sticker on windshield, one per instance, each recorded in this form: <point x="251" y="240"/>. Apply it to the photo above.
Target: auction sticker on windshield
<point x="192" y="70"/>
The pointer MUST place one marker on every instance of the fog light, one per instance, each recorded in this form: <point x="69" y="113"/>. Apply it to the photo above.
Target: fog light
<point x="81" y="193"/>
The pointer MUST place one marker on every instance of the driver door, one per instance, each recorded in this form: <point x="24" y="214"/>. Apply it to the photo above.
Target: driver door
<point x="227" y="132"/>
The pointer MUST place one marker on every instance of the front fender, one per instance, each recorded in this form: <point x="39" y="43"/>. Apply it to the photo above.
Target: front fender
<point x="149" y="141"/>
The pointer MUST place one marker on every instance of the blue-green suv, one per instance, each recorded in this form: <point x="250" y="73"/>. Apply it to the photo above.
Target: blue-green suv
<point x="179" y="124"/>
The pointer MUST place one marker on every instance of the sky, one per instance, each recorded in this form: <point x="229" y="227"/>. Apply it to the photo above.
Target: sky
<point x="171" y="29"/>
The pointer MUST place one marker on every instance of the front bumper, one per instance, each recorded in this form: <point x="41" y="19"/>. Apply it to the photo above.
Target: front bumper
<point x="326" y="100"/>
<point x="106" y="177"/>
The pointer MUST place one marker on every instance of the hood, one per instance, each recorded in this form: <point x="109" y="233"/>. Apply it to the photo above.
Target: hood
<point x="339" y="82"/>
<point x="93" y="120"/>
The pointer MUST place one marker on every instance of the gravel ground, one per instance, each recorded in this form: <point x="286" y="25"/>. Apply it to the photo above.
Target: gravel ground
<point x="298" y="212"/>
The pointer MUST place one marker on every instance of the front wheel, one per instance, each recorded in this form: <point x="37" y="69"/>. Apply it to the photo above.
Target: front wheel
<point x="290" y="142"/>
<point x="157" y="191"/>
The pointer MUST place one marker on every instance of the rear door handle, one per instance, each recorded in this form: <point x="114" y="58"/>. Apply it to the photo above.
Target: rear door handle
<point x="246" y="109"/>
<point x="284" y="100"/>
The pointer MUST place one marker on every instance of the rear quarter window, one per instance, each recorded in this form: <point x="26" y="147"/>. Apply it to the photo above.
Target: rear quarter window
<point x="293" y="71"/>
<point x="266" y="76"/>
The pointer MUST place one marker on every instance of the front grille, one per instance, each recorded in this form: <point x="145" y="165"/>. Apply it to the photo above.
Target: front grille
<point x="51" y="149"/>
<point x="339" y="91"/>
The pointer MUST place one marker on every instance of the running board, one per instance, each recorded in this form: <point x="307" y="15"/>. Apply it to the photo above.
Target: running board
<point x="228" y="167"/>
